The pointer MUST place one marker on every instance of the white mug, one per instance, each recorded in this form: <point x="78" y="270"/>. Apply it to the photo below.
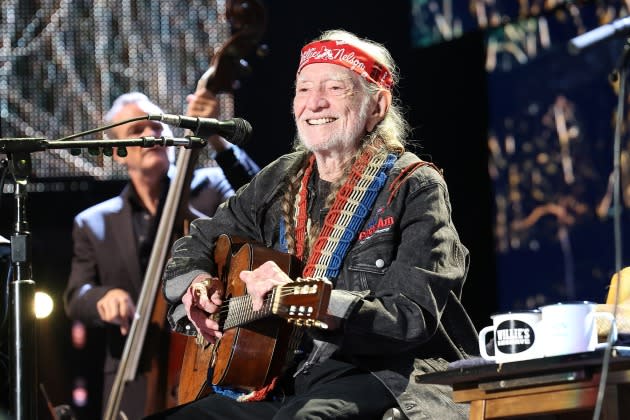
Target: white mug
<point x="515" y="336"/>
<point x="571" y="327"/>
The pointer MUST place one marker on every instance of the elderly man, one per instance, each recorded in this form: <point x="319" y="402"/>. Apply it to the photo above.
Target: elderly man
<point x="113" y="240"/>
<point x="354" y="207"/>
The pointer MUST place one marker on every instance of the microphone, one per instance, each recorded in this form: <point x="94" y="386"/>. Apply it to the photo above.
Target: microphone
<point x="236" y="130"/>
<point x="590" y="38"/>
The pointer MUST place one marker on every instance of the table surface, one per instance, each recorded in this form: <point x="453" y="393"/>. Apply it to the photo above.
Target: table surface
<point x="479" y="372"/>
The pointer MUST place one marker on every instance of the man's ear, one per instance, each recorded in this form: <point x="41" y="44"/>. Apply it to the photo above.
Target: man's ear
<point x="379" y="109"/>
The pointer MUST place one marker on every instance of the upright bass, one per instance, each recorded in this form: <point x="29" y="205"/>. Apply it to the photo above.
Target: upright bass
<point x="247" y="19"/>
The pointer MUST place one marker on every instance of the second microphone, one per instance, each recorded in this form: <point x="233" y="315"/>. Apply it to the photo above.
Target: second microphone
<point x="236" y="130"/>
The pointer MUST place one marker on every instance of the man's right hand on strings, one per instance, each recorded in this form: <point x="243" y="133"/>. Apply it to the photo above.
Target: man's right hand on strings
<point x="262" y="280"/>
<point x="203" y="299"/>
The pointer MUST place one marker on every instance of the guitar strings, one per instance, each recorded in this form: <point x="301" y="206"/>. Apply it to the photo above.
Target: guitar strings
<point x="246" y="299"/>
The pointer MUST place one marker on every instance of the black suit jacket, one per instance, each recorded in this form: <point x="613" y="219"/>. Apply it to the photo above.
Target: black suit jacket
<point x="105" y="254"/>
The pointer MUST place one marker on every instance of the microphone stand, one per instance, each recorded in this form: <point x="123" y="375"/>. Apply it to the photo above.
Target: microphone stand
<point x="23" y="349"/>
<point x="22" y="298"/>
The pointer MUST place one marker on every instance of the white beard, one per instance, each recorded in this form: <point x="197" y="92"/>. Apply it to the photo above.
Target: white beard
<point x="339" y="139"/>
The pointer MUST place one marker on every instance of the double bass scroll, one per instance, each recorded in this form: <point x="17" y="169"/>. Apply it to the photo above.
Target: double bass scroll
<point x="248" y="20"/>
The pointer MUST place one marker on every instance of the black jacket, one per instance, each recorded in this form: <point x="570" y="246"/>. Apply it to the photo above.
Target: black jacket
<point x="398" y="291"/>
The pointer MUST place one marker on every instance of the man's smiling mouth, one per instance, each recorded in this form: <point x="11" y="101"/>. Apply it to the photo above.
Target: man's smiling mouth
<point x="320" y="121"/>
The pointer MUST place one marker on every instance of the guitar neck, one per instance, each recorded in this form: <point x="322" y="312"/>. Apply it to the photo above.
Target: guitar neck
<point x="303" y="302"/>
<point x="240" y="311"/>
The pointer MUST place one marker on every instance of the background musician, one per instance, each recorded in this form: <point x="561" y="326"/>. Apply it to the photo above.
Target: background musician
<point x="113" y="240"/>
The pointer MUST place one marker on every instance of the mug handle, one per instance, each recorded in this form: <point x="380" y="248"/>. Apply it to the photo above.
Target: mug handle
<point x="613" y="328"/>
<point x="482" y="342"/>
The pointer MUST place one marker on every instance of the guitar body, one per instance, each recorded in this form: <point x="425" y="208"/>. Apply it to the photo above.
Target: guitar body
<point x="198" y="356"/>
<point x="193" y="381"/>
<point x="246" y="357"/>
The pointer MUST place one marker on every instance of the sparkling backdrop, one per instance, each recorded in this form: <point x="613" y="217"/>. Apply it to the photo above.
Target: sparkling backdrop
<point x="62" y="63"/>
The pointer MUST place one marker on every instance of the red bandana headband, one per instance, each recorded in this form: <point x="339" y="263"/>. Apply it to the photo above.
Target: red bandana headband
<point x="349" y="56"/>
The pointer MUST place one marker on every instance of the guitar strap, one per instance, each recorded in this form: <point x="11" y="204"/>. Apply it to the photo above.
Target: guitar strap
<point x="352" y="205"/>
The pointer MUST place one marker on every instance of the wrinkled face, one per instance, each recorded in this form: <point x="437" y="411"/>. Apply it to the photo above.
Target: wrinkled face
<point x="139" y="158"/>
<point x="330" y="108"/>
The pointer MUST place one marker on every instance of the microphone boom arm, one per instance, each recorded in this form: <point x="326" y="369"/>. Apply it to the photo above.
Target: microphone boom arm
<point x="35" y="144"/>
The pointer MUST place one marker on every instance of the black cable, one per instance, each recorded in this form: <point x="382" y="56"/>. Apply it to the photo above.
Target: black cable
<point x="4" y="367"/>
<point x="620" y="75"/>
<point x="5" y="298"/>
<point x="4" y="314"/>
<point x="4" y="167"/>
<point x="103" y="128"/>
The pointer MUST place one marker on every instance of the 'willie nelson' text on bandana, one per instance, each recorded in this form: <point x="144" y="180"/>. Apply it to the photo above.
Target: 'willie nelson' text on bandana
<point x="349" y="56"/>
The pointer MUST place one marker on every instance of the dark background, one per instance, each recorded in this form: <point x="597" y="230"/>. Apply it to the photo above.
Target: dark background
<point x="443" y="89"/>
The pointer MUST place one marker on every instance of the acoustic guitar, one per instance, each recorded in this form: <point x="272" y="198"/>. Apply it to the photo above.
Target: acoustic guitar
<point x="256" y="345"/>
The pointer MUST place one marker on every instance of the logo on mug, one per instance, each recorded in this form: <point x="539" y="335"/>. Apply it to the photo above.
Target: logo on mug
<point x="514" y="336"/>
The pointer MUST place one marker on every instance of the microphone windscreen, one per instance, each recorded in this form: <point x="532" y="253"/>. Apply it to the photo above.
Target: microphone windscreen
<point x="242" y="131"/>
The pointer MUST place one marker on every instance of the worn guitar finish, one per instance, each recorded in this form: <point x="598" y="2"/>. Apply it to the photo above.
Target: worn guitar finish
<point x="251" y="355"/>
<point x="256" y="345"/>
<point x="198" y="355"/>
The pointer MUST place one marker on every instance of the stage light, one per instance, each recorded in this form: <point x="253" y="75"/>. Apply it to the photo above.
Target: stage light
<point x="80" y="392"/>
<point x="79" y="335"/>
<point x="43" y="305"/>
